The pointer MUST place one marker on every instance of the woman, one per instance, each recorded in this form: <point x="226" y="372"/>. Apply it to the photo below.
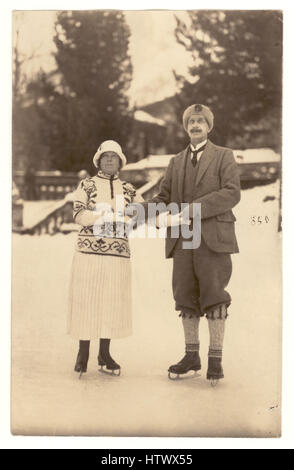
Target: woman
<point x="100" y="287"/>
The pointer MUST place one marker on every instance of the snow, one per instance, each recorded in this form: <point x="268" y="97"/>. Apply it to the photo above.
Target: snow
<point x="260" y="155"/>
<point x="241" y="156"/>
<point x="48" y="398"/>
<point x="34" y="211"/>
<point x="146" y="117"/>
<point x="152" y="161"/>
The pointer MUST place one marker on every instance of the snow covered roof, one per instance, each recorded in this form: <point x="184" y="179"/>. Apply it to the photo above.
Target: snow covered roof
<point x="241" y="156"/>
<point x="256" y="156"/>
<point x="146" y="117"/>
<point x="152" y="161"/>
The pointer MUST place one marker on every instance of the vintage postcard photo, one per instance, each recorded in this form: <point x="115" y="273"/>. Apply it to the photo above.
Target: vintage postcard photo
<point x="146" y="223"/>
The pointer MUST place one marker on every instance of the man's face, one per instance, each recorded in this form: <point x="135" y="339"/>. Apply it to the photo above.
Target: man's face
<point x="197" y="128"/>
<point x="110" y="163"/>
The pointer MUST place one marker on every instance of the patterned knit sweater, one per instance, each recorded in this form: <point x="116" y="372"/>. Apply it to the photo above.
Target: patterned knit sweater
<point x="96" y="236"/>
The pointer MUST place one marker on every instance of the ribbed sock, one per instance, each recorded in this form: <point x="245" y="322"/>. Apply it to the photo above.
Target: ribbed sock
<point x="191" y="332"/>
<point x="216" y="325"/>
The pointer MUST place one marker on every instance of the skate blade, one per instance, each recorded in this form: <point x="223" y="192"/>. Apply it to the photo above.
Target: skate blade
<point x="115" y="372"/>
<point x="214" y="382"/>
<point x="174" y="376"/>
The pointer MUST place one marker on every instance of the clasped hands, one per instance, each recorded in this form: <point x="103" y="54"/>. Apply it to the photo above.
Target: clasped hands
<point x="106" y="214"/>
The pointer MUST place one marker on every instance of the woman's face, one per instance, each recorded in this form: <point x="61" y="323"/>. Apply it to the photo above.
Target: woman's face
<point x="109" y="163"/>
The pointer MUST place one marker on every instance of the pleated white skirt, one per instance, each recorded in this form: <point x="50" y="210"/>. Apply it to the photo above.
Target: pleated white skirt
<point x="100" y="302"/>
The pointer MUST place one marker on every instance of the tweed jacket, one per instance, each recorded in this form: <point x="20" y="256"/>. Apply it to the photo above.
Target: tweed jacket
<point x="217" y="188"/>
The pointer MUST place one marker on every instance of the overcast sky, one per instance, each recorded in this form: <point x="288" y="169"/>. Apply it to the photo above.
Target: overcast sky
<point x="154" y="50"/>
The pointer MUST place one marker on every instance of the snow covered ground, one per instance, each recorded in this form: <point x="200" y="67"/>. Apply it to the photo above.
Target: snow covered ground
<point x="34" y="211"/>
<point x="48" y="398"/>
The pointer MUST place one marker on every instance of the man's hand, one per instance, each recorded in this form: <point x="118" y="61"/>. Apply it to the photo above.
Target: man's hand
<point x="170" y="220"/>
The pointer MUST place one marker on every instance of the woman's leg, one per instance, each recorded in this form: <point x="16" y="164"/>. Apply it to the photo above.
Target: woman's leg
<point x="83" y="356"/>
<point x="104" y="357"/>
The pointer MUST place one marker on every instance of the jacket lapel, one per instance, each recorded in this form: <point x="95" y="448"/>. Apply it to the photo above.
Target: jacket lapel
<point x="206" y="158"/>
<point x="182" y="169"/>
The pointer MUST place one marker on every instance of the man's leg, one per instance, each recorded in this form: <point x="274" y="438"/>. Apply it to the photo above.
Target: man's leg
<point x="184" y="283"/>
<point x="191" y="332"/>
<point x="214" y="272"/>
<point x="186" y="294"/>
<point x="216" y="325"/>
<point x="191" y="359"/>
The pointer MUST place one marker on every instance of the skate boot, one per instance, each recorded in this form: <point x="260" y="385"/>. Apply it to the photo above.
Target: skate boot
<point x="215" y="370"/>
<point x="81" y="363"/>
<point x="191" y="361"/>
<point x="110" y="364"/>
<point x="82" y="358"/>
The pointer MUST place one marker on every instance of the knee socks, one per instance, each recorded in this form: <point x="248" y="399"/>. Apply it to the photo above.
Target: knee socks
<point x="216" y="325"/>
<point x="191" y="332"/>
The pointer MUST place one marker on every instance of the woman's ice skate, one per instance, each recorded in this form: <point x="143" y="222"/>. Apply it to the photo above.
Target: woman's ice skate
<point x="111" y="366"/>
<point x="81" y="363"/>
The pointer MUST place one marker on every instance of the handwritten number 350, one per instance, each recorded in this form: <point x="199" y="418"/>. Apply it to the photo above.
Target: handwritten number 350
<point x="259" y="219"/>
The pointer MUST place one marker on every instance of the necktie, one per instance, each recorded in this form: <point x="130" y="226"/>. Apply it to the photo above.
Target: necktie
<point x="195" y="153"/>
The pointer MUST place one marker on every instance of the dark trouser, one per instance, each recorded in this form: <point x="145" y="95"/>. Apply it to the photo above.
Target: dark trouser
<point x="199" y="279"/>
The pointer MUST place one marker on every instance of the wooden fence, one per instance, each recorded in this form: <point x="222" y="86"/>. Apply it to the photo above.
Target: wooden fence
<point x="45" y="185"/>
<point x="55" y="185"/>
<point x="60" y="217"/>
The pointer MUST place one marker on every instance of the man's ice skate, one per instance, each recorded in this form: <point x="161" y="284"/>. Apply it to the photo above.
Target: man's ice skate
<point x="215" y="370"/>
<point x="111" y="366"/>
<point x="190" y="362"/>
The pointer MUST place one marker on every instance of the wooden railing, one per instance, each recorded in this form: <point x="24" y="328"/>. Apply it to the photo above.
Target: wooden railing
<point x="150" y="189"/>
<point x="60" y="218"/>
<point x="45" y="185"/>
<point x="51" y="223"/>
<point x="54" y="185"/>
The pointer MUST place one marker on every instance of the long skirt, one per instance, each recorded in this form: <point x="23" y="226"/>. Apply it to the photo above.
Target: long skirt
<point x="100" y="302"/>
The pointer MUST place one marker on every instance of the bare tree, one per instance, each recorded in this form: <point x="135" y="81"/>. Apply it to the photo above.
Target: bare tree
<point x="19" y="78"/>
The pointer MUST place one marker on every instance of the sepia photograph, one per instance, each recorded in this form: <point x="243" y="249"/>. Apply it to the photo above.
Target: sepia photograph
<point x="146" y="176"/>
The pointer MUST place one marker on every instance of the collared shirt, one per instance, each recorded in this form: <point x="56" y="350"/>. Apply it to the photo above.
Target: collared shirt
<point x="192" y="148"/>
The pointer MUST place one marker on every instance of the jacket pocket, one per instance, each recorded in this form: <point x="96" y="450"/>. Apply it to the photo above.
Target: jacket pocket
<point x="226" y="228"/>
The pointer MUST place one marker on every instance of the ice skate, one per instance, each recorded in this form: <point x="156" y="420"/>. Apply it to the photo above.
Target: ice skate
<point x="215" y="370"/>
<point x="81" y="363"/>
<point x="111" y="367"/>
<point x="190" y="362"/>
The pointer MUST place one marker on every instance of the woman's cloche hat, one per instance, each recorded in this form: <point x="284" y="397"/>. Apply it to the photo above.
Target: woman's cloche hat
<point x="109" y="146"/>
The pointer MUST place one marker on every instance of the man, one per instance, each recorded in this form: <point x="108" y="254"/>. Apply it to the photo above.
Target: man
<point x="208" y="174"/>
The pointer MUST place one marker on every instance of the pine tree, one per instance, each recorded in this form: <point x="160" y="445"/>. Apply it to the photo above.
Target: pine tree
<point x="237" y="71"/>
<point x="85" y="101"/>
